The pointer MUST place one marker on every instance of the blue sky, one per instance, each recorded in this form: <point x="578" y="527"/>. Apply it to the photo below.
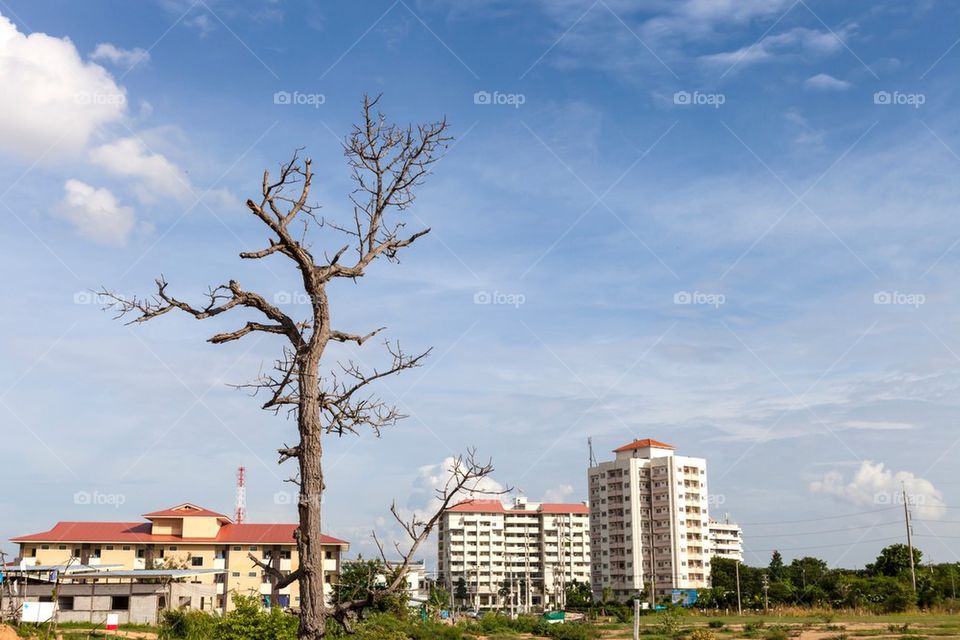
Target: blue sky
<point x="728" y="225"/>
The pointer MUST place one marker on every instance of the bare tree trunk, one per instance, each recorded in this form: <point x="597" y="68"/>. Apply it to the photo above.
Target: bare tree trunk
<point x="387" y="163"/>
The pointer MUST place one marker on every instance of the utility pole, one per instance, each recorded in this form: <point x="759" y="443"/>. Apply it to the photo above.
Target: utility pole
<point x="906" y="514"/>
<point x="766" y="593"/>
<point x="739" y="598"/>
<point x="636" y="619"/>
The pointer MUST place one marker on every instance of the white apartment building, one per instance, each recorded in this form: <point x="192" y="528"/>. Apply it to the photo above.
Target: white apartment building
<point x="649" y="521"/>
<point x="726" y="540"/>
<point x="519" y="557"/>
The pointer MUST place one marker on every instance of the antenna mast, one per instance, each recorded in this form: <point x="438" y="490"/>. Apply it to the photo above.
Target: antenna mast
<point x="593" y="461"/>
<point x="240" y="515"/>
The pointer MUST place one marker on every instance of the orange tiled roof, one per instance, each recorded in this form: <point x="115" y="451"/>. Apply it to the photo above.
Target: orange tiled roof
<point x="643" y="444"/>
<point x="139" y="532"/>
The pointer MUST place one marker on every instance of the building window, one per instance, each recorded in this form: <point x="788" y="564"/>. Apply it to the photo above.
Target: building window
<point x="196" y="562"/>
<point x="236" y="574"/>
<point x="126" y="547"/>
<point x="65" y="603"/>
<point x="109" y="547"/>
<point x="141" y="553"/>
<point x="284" y="555"/>
<point x="173" y="548"/>
<point x="252" y="574"/>
<point x="328" y="555"/>
<point x="237" y="549"/>
<point x="253" y="548"/>
<point x="62" y="547"/>
<point x="120" y="603"/>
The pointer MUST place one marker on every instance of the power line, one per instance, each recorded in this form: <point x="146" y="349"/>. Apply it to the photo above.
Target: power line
<point x="826" y="546"/>
<point x="814" y="533"/>
<point x="837" y="517"/>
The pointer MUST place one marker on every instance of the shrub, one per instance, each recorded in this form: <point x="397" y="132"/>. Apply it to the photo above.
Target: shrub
<point x="777" y="633"/>
<point x="716" y="624"/>
<point x="669" y="623"/>
<point x="702" y="634"/>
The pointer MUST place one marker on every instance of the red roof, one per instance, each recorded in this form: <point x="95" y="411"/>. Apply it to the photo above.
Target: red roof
<point x="185" y="510"/>
<point x="478" y="506"/>
<point x="559" y="507"/>
<point x="643" y="444"/>
<point x="139" y="532"/>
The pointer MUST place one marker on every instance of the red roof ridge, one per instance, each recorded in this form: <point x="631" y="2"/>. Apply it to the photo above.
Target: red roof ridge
<point x="564" y="507"/>
<point x="184" y="510"/>
<point x="643" y="444"/>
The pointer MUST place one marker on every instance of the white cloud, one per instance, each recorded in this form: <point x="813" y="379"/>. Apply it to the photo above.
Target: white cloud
<point x="127" y="58"/>
<point x="559" y="493"/>
<point x="96" y="213"/>
<point x="826" y="82"/>
<point x="53" y="98"/>
<point x="433" y="477"/>
<point x="799" y="40"/>
<point x="157" y="176"/>
<point x="874" y="484"/>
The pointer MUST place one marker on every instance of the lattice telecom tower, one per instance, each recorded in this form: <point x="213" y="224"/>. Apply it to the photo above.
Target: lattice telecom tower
<point x="241" y="513"/>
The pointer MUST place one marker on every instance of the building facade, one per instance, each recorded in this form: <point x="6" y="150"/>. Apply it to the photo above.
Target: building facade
<point x="726" y="540"/>
<point x="649" y="522"/>
<point x="519" y="557"/>
<point x="185" y="536"/>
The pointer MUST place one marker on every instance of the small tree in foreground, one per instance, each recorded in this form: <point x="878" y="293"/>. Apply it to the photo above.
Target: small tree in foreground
<point x="387" y="164"/>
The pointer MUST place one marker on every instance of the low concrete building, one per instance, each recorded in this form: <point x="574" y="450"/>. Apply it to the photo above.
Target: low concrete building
<point x="85" y="594"/>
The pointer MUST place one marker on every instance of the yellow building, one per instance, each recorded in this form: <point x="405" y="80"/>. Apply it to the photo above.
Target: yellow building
<point x="185" y="536"/>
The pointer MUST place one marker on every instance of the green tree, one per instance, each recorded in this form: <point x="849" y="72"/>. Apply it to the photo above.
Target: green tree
<point x="776" y="570"/>
<point x="460" y="593"/>
<point x="361" y="578"/>
<point x="894" y="561"/>
<point x="579" y="595"/>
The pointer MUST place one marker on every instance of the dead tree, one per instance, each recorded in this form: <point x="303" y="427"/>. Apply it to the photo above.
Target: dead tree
<point x="387" y="163"/>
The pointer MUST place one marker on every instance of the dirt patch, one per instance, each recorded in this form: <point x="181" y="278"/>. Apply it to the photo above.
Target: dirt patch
<point x="7" y="633"/>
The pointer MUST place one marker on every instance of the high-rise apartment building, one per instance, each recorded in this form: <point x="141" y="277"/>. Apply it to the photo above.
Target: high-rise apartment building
<point x="520" y="557"/>
<point x="726" y="540"/>
<point x="649" y="521"/>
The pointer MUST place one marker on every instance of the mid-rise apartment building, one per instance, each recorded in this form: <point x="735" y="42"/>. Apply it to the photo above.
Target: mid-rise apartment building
<point x="726" y="540"/>
<point x="520" y="557"/>
<point x="649" y="521"/>
<point x="185" y="536"/>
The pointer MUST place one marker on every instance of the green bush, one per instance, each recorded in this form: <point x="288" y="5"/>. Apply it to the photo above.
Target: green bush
<point x="702" y="634"/>
<point x="248" y="621"/>
<point x="716" y="624"/>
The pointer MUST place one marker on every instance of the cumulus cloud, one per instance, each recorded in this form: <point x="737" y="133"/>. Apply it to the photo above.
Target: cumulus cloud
<point x="126" y="58"/>
<point x="559" y="493"/>
<point x="54" y="98"/>
<point x="96" y="213"/>
<point x="874" y="484"/>
<point x="156" y="176"/>
<point x="826" y="82"/>
<point x="433" y="477"/>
